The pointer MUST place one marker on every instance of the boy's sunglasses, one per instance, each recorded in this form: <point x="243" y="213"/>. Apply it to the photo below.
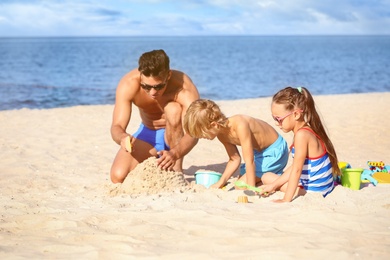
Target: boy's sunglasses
<point x="155" y="87"/>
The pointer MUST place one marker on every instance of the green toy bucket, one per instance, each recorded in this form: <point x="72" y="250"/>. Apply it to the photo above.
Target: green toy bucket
<point x="351" y="178"/>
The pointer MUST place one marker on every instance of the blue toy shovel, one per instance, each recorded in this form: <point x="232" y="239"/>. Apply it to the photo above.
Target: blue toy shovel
<point x="367" y="175"/>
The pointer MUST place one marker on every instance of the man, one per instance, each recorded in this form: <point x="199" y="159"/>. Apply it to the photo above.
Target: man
<point x="162" y="96"/>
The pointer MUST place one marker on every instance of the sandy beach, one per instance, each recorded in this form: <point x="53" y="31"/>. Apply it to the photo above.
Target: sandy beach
<point x="57" y="201"/>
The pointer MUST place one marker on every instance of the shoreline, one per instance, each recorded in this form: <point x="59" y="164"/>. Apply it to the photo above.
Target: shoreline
<point x="222" y="100"/>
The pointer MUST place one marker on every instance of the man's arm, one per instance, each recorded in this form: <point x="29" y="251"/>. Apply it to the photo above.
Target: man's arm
<point x="188" y="95"/>
<point x="185" y="97"/>
<point x="122" y="110"/>
<point x="184" y="146"/>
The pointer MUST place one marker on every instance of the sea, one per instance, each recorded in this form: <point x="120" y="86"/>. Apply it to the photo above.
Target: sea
<point x="43" y="73"/>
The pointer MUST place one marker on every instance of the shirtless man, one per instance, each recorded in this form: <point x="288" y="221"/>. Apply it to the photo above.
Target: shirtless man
<point x="162" y="96"/>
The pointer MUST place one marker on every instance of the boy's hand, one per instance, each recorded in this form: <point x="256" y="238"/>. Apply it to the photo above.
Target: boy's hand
<point x="279" y="201"/>
<point x="216" y="185"/>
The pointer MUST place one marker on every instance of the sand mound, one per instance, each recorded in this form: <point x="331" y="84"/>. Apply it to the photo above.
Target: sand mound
<point x="147" y="178"/>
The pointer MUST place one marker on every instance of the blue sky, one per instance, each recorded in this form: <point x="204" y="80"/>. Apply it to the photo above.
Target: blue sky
<point x="193" y="17"/>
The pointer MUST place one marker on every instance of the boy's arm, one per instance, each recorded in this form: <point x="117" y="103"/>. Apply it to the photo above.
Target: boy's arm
<point x="231" y="166"/>
<point x="245" y="136"/>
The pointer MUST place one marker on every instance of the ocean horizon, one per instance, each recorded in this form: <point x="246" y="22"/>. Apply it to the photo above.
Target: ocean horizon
<point x="48" y="72"/>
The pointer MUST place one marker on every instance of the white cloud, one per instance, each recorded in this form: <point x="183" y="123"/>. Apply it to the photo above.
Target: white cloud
<point x="204" y="17"/>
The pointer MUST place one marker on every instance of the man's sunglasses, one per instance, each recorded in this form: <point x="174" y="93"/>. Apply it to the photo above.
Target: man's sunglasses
<point x="155" y="87"/>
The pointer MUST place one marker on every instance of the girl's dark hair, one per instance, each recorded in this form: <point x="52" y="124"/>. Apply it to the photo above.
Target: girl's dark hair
<point x="154" y="64"/>
<point x="300" y="98"/>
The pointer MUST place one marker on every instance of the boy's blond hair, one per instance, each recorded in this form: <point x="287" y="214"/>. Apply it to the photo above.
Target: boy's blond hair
<point x="199" y="116"/>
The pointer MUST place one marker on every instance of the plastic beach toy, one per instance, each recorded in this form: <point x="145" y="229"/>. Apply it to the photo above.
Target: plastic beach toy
<point x="382" y="177"/>
<point x="379" y="171"/>
<point x="342" y="166"/>
<point x="242" y="199"/>
<point x="207" y="178"/>
<point x="129" y="147"/>
<point x="367" y="177"/>
<point x="351" y="178"/>
<point x="242" y="184"/>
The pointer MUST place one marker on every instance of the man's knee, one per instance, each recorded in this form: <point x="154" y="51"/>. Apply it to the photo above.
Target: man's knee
<point x="118" y="175"/>
<point x="173" y="112"/>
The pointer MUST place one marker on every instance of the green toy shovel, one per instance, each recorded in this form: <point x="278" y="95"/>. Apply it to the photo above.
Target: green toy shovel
<point x="242" y="184"/>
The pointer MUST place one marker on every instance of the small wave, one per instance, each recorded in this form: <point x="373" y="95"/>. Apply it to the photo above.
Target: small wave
<point x="16" y="96"/>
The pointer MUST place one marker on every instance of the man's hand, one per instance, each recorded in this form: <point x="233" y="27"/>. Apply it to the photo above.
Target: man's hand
<point x="127" y="143"/>
<point x="167" y="160"/>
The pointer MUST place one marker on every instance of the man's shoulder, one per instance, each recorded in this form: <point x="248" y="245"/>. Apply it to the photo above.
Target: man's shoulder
<point x="131" y="75"/>
<point x="177" y="72"/>
<point x="183" y="86"/>
<point x="128" y="87"/>
<point x="181" y="76"/>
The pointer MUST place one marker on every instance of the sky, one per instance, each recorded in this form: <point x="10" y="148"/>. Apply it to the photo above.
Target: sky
<point x="56" y="18"/>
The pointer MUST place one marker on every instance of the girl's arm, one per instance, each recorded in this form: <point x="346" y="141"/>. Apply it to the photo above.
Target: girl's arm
<point x="231" y="166"/>
<point x="301" y="143"/>
<point x="280" y="181"/>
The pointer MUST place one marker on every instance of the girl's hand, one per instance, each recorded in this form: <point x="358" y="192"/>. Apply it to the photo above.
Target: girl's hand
<point x="266" y="190"/>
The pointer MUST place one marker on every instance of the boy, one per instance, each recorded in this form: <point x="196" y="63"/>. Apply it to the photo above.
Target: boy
<point x="263" y="149"/>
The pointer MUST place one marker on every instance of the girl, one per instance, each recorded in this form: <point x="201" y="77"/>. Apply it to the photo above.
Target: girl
<point x="263" y="148"/>
<point x="314" y="157"/>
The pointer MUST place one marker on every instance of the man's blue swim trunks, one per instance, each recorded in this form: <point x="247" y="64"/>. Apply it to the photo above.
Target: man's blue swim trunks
<point x="272" y="159"/>
<point x="153" y="137"/>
